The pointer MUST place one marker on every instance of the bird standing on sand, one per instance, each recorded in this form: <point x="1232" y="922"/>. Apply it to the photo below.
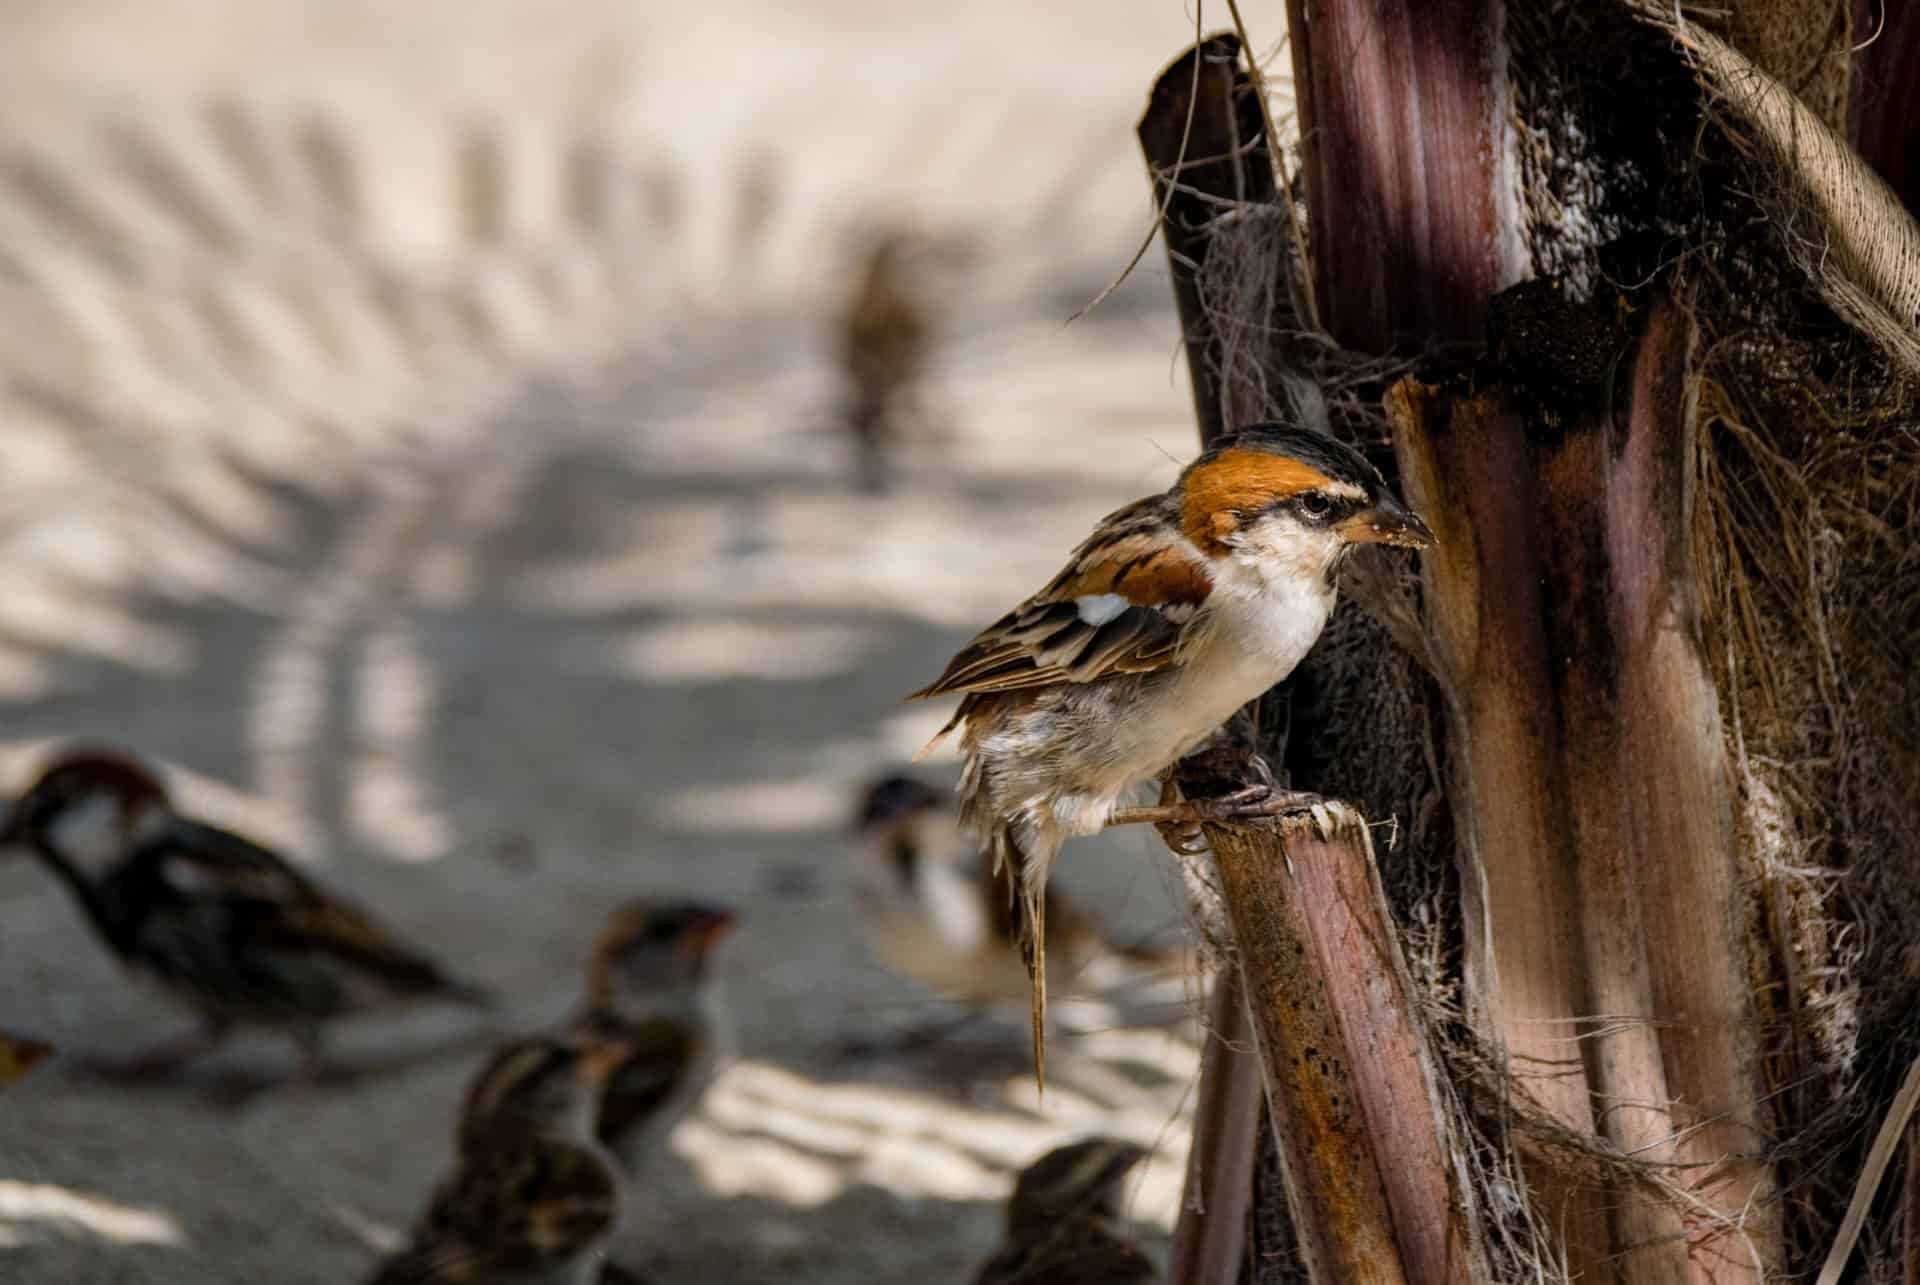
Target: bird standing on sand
<point x="533" y="1198"/>
<point x="885" y="337"/>
<point x="650" y="988"/>
<point x="1065" y="1221"/>
<point x="1178" y="610"/>
<point x="934" y="906"/>
<point x="224" y="927"/>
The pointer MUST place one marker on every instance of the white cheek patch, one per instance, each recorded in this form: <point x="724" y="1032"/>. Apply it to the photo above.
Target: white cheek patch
<point x="1097" y="609"/>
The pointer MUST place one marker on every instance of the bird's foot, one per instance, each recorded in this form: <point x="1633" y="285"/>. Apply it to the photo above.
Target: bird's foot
<point x="1180" y="824"/>
<point x="1257" y="803"/>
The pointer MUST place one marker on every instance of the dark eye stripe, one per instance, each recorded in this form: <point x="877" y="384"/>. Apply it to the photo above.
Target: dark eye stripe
<point x="1337" y="508"/>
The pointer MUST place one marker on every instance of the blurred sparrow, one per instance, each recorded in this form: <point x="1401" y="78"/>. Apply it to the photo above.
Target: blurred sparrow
<point x="650" y="987"/>
<point x="1065" y="1221"/>
<point x="534" y="1198"/>
<point x="935" y="907"/>
<point x="20" y="1054"/>
<point x="224" y="927"/>
<point x="884" y="340"/>
<point x="1178" y="610"/>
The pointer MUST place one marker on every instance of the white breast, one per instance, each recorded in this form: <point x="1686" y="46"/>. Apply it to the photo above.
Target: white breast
<point x="1257" y="635"/>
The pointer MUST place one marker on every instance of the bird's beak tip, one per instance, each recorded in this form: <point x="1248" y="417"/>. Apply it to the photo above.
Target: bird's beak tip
<point x="1390" y="522"/>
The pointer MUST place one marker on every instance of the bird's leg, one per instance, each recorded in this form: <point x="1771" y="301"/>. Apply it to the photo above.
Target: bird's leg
<point x="159" y="1062"/>
<point x="1252" y="803"/>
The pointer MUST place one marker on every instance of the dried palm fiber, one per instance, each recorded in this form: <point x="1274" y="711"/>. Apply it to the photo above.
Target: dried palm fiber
<point x="1843" y="226"/>
<point x="1801" y="273"/>
<point x="1810" y="476"/>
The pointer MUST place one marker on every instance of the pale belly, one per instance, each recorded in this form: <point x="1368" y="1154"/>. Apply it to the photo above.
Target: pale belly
<point x="1106" y="753"/>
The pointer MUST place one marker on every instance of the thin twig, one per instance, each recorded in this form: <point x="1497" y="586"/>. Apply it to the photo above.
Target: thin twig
<point x="1871" y="1173"/>
<point x="1160" y="212"/>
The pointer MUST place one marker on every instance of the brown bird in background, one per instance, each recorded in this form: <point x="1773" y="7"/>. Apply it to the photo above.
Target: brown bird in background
<point x="534" y="1198"/>
<point x="934" y="907"/>
<point x="222" y="926"/>
<point x="1066" y="1224"/>
<point x="650" y="987"/>
<point x="885" y="337"/>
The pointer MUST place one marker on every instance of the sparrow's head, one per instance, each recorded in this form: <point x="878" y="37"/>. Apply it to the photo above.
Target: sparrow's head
<point x="653" y="950"/>
<point x="543" y="1085"/>
<point x="902" y="820"/>
<point x="1290" y="502"/>
<point x="893" y="799"/>
<point x="1081" y="1180"/>
<point x="89" y="803"/>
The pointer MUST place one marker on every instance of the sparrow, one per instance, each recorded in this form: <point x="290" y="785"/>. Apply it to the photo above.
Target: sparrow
<point x="1064" y="1221"/>
<point x="226" y="928"/>
<point x="650" y="987"/>
<point x="20" y="1054"/>
<point x="533" y="1198"/>
<point x="885" y="336"/>
<point x="1176" y="611"/>
<point x="934" y="906"/>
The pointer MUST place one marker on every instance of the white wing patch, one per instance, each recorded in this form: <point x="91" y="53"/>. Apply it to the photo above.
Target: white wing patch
<point x="1097" y="609"/>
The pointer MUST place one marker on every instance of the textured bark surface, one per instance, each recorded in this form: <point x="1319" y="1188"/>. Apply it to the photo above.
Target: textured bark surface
<point x="1205" y="144"/>
<point x="1210" y="1240"/>
<point x="1591" y="781"/>
<point x="1884" y="102"/>
<point x="1347" y="1071"/>
<point x="1402" y="124"/>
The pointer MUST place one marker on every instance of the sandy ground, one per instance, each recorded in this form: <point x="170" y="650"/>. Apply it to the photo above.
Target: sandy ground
<point x="416" y="441"/>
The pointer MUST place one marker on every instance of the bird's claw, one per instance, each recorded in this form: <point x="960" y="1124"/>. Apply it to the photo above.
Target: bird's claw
<point x="1257" y="803"/>
<point x="1184" y="838"/>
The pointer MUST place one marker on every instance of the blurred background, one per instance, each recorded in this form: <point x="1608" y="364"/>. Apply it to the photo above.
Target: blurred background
<point x="514" y="456"/>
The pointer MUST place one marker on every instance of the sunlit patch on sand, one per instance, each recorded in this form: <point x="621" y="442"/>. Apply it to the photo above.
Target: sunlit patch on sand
<point x="706" y="650"/>
<point x="769" y="807"/>
<point x="390" y="796"/>
<point x="770" y="1132"/>
<point x="29" y="1207"/>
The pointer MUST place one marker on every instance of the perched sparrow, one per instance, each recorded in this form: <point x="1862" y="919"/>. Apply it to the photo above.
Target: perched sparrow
<point x="884" y="340"/>
<point x="1064" y="1221"/>
<point x="533" y="1199"/>
<point x="934" y="906"/>
<point x="226" y="928"/>
<point x="649" y="987"/>
<point x="1178" y="610"/>
<point x="19" y="1054"/>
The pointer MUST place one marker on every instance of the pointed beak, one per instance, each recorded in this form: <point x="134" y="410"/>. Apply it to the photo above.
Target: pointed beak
<point x="1388" y="522"/>
<point x="710" y="928"/>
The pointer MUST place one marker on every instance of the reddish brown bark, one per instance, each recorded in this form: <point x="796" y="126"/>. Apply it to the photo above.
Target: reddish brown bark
<point x="1883" y="103"/>
<point x="1210" y="1240"/>
<point x="1205" y="144"/>
<point x="1402" y="124"/>
<point x="1590" y="759"/>
<point x="1348" y="1075"/>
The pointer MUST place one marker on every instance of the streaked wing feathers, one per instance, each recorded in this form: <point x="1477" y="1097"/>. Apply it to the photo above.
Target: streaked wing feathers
<point x="279" y="909"/>
<point x="1119" y="607"/>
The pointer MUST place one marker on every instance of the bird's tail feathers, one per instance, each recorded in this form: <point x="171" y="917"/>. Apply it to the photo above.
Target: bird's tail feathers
<point x="1029" y="863"/>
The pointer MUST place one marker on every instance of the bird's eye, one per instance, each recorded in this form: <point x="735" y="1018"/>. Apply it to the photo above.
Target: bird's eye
<point x="1315" y="505"/>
